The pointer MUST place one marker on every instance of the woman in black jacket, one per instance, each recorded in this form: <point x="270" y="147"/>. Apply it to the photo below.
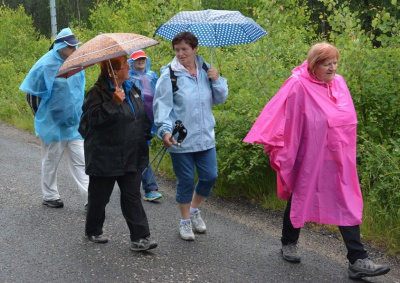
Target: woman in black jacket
<point x="116" y="129"/>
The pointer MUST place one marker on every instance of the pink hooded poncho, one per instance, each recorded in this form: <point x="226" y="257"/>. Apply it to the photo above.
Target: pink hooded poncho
<point x="309" y="131"/>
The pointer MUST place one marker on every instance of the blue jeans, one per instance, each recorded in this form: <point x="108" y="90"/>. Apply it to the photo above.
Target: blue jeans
<point x="185" y="164"/>
<point x="148" y="182"/>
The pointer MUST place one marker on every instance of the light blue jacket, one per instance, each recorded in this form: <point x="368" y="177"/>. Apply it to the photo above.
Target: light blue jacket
<point x="57" y="118"/>
<point x="192" y="104"/>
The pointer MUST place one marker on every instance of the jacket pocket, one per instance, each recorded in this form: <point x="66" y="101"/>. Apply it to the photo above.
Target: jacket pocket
<point x="342" y="132"/>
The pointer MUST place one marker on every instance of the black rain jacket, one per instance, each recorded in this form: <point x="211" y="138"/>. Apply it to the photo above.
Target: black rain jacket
<point x="115" y="138"/>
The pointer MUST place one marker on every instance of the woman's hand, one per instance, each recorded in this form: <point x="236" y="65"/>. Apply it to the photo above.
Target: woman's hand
<point x="119" y="95"/>
<point x="168" y="140"/>
<point x="213" y="73"/>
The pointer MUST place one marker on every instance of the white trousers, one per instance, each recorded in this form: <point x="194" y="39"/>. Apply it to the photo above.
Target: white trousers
<point x="51" y="156"/>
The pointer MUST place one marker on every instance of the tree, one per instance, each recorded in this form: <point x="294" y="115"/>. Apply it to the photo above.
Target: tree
<point x="68" y="12"/>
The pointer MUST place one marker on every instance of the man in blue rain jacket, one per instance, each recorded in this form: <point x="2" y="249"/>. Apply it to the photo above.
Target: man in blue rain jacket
<point x="57" y="117"/>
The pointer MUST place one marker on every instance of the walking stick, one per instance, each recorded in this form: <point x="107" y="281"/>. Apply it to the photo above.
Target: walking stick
<point x="179" y="128"/>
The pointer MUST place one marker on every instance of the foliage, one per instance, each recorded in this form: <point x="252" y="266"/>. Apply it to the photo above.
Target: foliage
<point x="374" y="86"/>
<point x="246" y="7"/>
<point x="375" y="16"/>
<point x="380" y="181"/>
<point x="67" y="12"/>
<point x="16" y="59"/>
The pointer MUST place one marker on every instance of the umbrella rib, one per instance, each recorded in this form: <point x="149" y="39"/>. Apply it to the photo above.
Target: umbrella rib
<point x="109" y="47"/>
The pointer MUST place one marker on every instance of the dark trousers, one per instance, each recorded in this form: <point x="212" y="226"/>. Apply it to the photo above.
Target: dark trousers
<point x="99" y="192"/>
<point x="350" y="234"/>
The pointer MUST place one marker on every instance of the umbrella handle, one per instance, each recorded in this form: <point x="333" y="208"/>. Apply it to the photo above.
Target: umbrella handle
<point x="113" y="75"/>
<point x="211" y="51"/>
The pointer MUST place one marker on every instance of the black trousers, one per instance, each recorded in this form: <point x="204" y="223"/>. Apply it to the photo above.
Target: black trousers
<point x="99" y="193"/>
<point x="350" y="234"/>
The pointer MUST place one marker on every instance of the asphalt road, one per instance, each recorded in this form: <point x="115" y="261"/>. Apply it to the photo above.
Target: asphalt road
<point x="41" y="244"/>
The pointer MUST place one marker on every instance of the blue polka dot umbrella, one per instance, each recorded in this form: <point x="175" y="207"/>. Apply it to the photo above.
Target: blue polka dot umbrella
<point x="213" y="28"/>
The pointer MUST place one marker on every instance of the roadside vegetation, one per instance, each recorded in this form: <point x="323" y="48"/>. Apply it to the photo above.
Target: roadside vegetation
<point x="367" y="36"/>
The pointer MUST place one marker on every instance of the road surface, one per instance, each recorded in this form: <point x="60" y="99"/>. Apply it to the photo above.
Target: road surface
<point x="42" y="244"/>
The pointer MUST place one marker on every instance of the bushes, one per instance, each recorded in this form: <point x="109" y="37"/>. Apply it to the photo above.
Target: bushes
<point x="20" y="47"/>
<point x="380" y="182"/>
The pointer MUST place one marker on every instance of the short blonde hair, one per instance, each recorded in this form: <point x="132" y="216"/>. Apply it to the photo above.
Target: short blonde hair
<point x="321" y="52"/>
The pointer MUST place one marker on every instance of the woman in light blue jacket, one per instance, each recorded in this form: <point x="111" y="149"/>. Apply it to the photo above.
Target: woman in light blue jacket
<point x="197" y="91"/>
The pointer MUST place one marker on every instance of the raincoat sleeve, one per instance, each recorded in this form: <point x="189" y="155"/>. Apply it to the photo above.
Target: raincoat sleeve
<point x="219" y="89"/>
<point x="40" y="79"/>
<point x="279" y="128"/>
<point x="269" y="127"/>
<point x="163" y="104"/>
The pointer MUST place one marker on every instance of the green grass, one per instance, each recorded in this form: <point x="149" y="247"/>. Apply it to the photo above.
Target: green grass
<point x="383" y="231"/>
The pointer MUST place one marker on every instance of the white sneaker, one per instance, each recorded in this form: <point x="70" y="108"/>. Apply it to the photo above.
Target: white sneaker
<point x="197" y="222"/>
<point x="186" y="231"/>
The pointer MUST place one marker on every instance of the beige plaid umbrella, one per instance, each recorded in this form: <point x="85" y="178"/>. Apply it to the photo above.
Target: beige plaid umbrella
<point x="105" y="46"/>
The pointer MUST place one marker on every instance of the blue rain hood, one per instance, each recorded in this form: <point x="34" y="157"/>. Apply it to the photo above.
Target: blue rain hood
<point x="135" y="76"/>
<point x="146" y="81"/>
<point x="60" y="109"/>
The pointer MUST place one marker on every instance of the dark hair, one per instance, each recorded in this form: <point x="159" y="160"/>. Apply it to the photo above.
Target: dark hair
<point x="105" y="67"/>
<point x="186" y="36"/>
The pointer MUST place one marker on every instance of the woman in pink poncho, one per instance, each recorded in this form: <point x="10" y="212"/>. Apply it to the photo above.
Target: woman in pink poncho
<point x="309" y="131"/>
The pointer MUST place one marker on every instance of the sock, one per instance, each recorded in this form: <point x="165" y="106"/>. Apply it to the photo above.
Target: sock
<point x="185" y="220"/>
<point x="193" y="210"/>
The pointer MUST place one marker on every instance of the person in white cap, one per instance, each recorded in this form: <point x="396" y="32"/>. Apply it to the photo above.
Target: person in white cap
<point x="142" y="77"/>
<point x="57" y="105"/>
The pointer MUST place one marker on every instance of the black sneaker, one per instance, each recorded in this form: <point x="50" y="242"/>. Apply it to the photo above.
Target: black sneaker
<point x="143" y="244"/>
<point x="100" y="239"/>
<point x="366" y="268"/>
<point x="290" y="254"/>
<point x="58" y="203"/>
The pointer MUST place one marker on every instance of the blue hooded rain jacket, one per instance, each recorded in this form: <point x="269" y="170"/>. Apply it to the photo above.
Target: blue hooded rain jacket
<point x="60" y="108"/>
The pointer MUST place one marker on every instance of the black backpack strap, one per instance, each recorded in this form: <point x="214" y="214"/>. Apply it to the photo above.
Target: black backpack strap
<point x="205" y="68"/>
<point x="173" y="79"/>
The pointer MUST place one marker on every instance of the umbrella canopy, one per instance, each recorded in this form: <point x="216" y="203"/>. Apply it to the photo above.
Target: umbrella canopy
<point x="213" y="28"/>
<point x="103" y="47"/>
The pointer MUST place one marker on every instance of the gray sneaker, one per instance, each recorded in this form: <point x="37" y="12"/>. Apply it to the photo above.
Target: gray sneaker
<point x="143" y="244"/>
<point x="186" y="231"/>
<point x="100" y="239"/>
<point x="197" y="222"/>
<point x="290" y="254"/>
<point x="366" y="268"/>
